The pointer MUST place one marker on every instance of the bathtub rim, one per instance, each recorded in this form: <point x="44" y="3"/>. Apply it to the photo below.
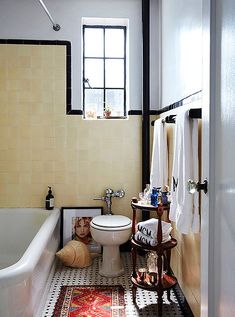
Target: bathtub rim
<point x="23" y="268"/>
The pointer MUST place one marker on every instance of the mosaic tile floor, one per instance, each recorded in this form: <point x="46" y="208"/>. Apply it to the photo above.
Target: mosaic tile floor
<point x="90" y="276"/>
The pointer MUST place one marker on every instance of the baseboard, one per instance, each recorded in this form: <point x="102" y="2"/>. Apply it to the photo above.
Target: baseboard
<point x="184" y="306"/>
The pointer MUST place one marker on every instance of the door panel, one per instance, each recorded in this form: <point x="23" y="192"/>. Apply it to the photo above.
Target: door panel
<point x="218" y="212"/>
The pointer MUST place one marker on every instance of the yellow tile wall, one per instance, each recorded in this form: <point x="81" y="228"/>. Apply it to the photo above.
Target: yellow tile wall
<point x="40" y="145"/>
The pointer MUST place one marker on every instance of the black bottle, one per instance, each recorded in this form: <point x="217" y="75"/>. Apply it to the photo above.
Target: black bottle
<point x="49" y="199"/>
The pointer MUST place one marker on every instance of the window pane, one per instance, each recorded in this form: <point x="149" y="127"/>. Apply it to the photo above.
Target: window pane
<point x="114" y="43"/>
<point x="94" y="42"/>
<point x="93" y="103"/>
<point x="94" y="72"/>
<point x="114" y="73"/>
<point x="115" y="99"/>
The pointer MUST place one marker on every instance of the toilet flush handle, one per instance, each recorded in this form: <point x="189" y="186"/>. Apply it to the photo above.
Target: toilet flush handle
<point x="99" y="198"/>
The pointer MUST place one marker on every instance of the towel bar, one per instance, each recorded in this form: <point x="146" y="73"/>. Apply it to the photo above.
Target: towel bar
<point x="195" y="113"/>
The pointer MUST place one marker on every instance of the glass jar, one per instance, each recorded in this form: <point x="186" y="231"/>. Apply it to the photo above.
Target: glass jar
<point x="147" y="194"/>
<point x="152" y="261"/>
<point x="164" y="198"/>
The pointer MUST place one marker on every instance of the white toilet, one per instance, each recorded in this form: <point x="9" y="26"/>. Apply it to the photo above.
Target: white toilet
<point x="111" y="231"/>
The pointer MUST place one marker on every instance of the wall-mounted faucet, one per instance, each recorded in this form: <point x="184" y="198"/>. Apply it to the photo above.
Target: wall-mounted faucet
<point x="109" y="194"/>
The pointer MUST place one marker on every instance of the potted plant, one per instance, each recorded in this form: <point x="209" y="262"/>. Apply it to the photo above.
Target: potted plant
<point x="107" y="111"/>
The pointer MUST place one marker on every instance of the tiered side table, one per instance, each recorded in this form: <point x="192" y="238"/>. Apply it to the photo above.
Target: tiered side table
<point x="165" y="278"/>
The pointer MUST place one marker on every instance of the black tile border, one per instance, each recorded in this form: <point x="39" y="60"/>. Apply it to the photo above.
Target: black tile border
<point x="180" y="103"/>
<point x="74" y="111"/>
<point x="36" y="42"/>
<point x="67" y="44"/>
<point x="135" y="112"/>
<point x="184" y="306"/>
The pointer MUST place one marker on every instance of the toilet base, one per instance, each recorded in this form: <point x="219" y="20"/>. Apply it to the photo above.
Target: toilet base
<point x="111" y="265"/>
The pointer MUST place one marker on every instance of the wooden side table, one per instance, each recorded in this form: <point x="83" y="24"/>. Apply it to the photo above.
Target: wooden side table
<point x="165" y="279"/>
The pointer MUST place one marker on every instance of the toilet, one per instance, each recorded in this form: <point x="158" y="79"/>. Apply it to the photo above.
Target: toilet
<point x="110" y="231"/>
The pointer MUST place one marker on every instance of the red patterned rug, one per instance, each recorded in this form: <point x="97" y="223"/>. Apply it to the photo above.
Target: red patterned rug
<point x="90" y="301"/>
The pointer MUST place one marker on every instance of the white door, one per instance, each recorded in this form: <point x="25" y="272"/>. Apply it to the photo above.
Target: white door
<point x="218" y="206"/>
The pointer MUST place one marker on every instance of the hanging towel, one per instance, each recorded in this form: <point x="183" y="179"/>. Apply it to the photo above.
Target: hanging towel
<point x="159" y="164"/>
<point x="184" y="206"/>
<point x="196" y="217"/>
<point x="149" y="227"/>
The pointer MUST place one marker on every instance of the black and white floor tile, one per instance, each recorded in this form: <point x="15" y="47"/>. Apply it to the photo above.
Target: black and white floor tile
<point x="90" y="276"/>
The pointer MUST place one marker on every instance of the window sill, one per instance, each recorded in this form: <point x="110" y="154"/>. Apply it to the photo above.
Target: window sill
<point x="112" y="117"/>
<point x="107" y="118"/>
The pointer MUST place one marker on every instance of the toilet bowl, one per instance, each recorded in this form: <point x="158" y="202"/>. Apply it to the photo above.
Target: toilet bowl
<point x="111" y="231"/>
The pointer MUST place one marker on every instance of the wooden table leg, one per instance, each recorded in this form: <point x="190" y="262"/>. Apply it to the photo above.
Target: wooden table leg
<point x="168" y="260"/>
<point x="134" y="288"/>
<point x="133" y="253"/>
<point x="168" y="292"/>
<point x="160" y="286"/>
<point x="160" y="302"/>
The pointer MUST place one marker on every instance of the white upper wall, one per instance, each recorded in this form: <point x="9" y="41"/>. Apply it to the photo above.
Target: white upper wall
<point x="155" y="54"/>
<point x="26" y="19"/>
<point x="181" y="49"/>
<point x="174" y="77"/>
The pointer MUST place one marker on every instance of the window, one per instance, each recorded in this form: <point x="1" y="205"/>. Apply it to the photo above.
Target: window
<point x="104" y="70"/>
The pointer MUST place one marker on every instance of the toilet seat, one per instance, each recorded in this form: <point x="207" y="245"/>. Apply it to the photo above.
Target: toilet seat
<point x="111" y="222"/>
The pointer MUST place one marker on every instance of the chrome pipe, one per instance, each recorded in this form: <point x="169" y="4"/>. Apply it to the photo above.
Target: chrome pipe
<point x="56" y="27"/>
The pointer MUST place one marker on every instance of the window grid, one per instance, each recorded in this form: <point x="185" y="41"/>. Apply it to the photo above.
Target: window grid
<point x="104" y="58"/>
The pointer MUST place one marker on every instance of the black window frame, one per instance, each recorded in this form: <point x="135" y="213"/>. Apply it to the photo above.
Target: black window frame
<point x="104" y="88"/>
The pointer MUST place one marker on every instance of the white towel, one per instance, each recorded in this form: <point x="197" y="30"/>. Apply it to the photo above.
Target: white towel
<point x="159" y="164"/>
<point x="196" y="217"/>
<point x="149" y="227"/>
<point x="185" y="167"/>
<point x="139" y="236"/>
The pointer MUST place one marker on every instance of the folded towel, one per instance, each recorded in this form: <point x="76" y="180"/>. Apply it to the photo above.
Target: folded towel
<point x="139" y="236"/>
<point x="159" y="164"/>
<point x="149" y="227"/>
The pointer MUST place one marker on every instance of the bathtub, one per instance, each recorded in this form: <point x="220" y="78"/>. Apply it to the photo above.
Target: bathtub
<point x="29" y="238"/>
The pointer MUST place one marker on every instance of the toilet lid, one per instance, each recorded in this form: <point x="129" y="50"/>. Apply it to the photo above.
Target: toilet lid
<point x="111" y="221"/>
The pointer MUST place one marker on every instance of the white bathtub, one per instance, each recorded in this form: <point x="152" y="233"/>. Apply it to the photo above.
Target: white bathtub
<point x="29" y="238"/>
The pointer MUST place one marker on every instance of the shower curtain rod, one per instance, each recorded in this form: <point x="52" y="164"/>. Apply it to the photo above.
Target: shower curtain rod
<point x="56" y="27"/>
